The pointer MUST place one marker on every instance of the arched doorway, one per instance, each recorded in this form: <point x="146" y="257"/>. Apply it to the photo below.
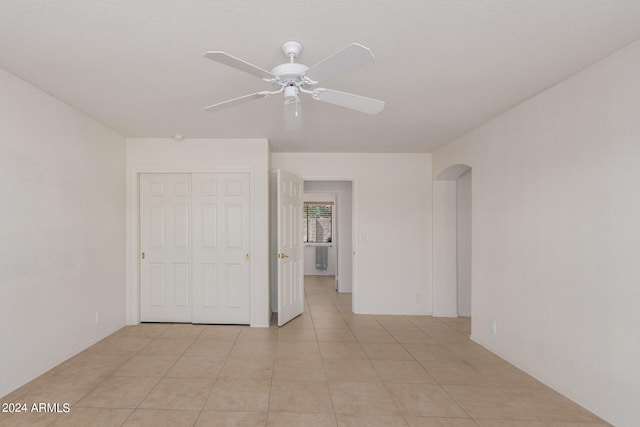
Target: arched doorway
<point x="452" y="242"/>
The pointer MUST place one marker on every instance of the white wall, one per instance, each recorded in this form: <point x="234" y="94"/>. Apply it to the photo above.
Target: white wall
<point x="463" y="243"/>
<point x="62" y="192"/>
<point x="204" y="155"/>
<point x="445" y="269"/>
<point x="556" y="227"/>
<point x="392" y="207"/>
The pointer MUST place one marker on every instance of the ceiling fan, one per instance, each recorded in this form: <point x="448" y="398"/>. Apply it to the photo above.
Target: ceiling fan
<point x="293" y="78"/>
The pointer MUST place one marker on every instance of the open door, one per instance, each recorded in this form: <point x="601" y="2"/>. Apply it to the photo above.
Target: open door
<point x="287" y="197"/>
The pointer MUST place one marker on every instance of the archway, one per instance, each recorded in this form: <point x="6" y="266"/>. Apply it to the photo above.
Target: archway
<point x="452" y="242"/>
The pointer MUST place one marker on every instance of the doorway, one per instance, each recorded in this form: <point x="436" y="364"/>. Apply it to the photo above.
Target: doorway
<point x="452" y="242"/>
<point x="339" y="252"/>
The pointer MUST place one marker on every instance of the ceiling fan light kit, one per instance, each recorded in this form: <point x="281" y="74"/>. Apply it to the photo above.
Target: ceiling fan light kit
<point x="293" y="78"/>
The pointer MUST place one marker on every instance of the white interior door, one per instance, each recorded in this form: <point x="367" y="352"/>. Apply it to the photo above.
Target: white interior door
<point x="221" y="285"/>
<point x="165" y="243"/>
<point x="289" y="245"/>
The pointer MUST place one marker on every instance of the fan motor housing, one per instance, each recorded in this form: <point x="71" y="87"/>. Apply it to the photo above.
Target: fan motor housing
<point x="289" y="73"/>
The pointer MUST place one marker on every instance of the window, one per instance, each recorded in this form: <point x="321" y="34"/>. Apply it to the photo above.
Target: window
<point x="318" y="222"/>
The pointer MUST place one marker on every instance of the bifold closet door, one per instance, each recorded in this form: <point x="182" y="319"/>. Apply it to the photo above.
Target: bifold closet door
<point x="221" y="225"/>
<point x="165" y="245"/>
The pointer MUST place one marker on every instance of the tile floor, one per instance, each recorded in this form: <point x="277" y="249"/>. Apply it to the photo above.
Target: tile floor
<point x="328" y="367"/>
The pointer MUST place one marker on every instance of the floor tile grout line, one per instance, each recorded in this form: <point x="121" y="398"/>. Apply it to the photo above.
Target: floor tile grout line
<point x="457" y="349"/>
<point x="107" y="376"/>
<point x="378" y="374"/>
<point x="385" y="385"/>
<point x="333" y="409"/>
<point x="235" y="340"/>
<point x="375" y="370"/>
<point x="273" y="372"/>
<point x="163" y="376"/>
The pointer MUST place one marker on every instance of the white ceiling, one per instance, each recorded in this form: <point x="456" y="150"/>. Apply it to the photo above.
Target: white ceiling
<point x="442" y="66"/>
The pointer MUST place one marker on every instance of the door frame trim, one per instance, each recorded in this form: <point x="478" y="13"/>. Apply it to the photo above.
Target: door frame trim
<point x="354" y="230"/>
<point x="132" y="251"/>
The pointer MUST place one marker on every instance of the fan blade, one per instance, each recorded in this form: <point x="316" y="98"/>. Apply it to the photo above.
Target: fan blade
<point x="348" y="58"/>
<point x="235" y="101"/>
<point x="292" y="114"/>
<point x="232" y="61"/>
<point x="348" y="100"/>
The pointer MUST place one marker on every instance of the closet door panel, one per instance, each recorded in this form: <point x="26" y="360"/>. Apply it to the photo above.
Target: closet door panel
<point x="165" y="236"/>
<point x="221" y="282"/>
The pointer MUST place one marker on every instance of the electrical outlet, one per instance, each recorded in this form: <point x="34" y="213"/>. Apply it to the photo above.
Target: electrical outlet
<point x="97" y="317"/>
<point x="418" y="297"/>
<point x="493" y="327"/>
